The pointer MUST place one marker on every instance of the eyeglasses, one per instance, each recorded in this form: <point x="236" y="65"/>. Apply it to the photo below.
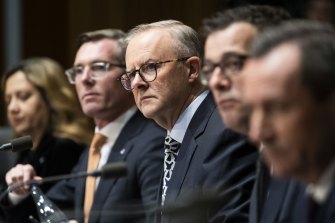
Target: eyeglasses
<point x="97" y="70"/>
<point x="147" y="71"/>
<point x="230" y="65"/>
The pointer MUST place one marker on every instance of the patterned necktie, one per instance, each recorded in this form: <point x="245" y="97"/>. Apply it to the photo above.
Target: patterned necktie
<point x="171" y="148"/>
<point x="93" y="161"/>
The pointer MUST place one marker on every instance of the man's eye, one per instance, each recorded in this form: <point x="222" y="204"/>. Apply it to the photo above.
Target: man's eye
<point x="148" y="67"/>
<point x="234" y="64"/>
<point x="78" y="70"/>
<point x="98" y="67"/>
<point x="132" y="74"/>
<point x="209" y="68"/>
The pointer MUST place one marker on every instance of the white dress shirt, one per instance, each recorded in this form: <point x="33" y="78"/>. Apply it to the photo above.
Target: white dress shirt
<point x="322" y="188"/>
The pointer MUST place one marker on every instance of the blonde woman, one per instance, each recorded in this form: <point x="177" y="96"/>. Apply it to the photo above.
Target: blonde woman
<point x="41" y="103"/>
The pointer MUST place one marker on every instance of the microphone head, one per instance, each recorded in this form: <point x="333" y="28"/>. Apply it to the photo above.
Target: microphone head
<point x="21" y="143"/>
<point x="113" y="170"/>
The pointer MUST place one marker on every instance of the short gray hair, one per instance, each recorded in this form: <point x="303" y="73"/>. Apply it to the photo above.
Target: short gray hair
<point x="187" y="40"/>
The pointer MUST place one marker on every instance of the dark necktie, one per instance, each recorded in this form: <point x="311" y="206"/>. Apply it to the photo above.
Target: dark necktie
<point x="311" y="209"/>
<point x="171" y="148"/>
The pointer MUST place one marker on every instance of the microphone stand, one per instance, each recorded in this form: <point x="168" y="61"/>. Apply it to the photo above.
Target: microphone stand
<point x="45" y="205"/>
<point x="46" y="180"/>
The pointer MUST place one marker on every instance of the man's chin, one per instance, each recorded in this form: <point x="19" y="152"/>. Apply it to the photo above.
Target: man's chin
<point x="276" y="167"/>
<point x="91" y="111"/>
<point x="230" y="119"/>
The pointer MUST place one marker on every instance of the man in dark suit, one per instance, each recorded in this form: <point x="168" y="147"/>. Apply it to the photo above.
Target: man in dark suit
<point x="289" y="84"/>
<point x="126" y="136"/>
<point x="227" y="37"/>
<point x="202" y="156"/>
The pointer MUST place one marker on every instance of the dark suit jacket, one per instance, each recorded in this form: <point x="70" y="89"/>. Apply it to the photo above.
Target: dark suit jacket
<point x="326" y="212"/>
<point x="121" y="200"/>
<point x="47" y="156"/>
<point x="284" y="201"/>
<point x="211" y="159"/>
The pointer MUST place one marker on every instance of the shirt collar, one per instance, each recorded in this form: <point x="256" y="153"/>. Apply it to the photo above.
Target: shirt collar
<point x="322" y="188"/>
<point x="113" y="129"/>
<point x="179" y="129"/>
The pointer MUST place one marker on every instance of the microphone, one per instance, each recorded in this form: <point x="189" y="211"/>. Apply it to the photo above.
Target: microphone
<point x="111" y="170"/>
<point x="18" y="144"/>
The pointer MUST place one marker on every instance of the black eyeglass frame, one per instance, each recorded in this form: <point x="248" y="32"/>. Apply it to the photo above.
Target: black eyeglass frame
<point x="130" y="76"/>
<point x="223" y="64"/>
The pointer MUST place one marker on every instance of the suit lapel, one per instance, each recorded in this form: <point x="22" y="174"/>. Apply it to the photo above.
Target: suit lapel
<point x="293" y="203"/>
<point x="184" y="159"/>
<point x="275" y="199"/>
<point x="122" y="147"/>
<point x="80" y="188"/>
<point x="189" y="146"/>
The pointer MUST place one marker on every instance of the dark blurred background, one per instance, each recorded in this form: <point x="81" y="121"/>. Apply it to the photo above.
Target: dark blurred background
<point x="31" y="28"/>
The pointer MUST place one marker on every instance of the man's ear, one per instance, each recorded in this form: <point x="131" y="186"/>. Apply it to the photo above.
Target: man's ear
<point x="194" y="65"/>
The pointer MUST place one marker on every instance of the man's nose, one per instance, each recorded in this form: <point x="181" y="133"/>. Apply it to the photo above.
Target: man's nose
<point x="218" y="80"/>
<point x="137" y="81"/>
<point x="260" y="128"/>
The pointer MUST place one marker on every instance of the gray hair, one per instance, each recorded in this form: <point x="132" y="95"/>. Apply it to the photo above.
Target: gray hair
<point x="187" y="40"/>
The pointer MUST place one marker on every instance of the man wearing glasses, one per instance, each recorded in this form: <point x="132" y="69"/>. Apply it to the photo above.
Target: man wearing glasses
<point x="123" y="135"/>
<point x="201" y="154"/>
<point x="227" y="36"/>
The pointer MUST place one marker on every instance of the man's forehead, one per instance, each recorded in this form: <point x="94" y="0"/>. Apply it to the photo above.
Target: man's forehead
<point x="149" y="46"/>
<point x="89" y="52"/>
<point x="273" y="73"/>
<point x="234" y="38"/>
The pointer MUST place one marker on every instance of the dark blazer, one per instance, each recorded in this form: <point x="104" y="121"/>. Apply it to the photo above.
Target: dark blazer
<point x="286" y="203"/>
<point x="53" y="156"/>
<point x="276" y="200"/>
<point x="140" y="145"/>
<point x="122" y="200"/>
<point x="211" y="159"/>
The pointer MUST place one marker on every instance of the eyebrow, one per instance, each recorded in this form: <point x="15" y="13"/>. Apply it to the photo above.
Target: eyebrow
<point x="150" y="60"/>
<point x="233" y="54"/>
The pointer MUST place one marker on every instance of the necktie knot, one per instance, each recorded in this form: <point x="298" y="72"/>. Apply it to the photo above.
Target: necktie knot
<point x="97" y="142"/>
<point x="171" y="145"/>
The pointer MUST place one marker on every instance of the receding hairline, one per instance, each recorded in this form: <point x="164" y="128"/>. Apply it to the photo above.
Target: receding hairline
<point x="147" y="27"/>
